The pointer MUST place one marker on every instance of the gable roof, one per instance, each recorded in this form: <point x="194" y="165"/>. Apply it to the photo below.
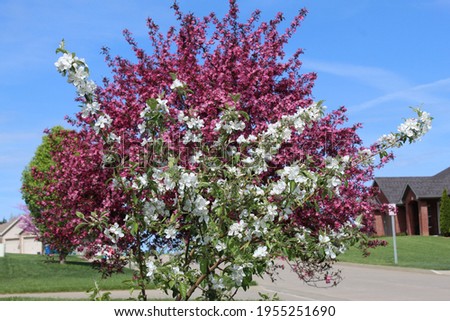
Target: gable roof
<point x="5" y="227"/>
<point x="422" y="186"/>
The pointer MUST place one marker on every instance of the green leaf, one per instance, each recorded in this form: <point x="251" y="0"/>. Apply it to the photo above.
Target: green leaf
<point x="235" y="97"/>
<point x="245" y="115"/>
<point x="204" y="265"/>
<point x="135" y="228"/>
<point x="183" y="290"/>
<point x="172" y="162"/>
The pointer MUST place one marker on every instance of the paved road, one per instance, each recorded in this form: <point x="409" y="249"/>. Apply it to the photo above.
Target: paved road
<point x="360" y="283"/>
<point x="369" y="283"/>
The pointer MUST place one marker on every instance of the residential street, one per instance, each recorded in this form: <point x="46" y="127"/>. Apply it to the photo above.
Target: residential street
<point x="360" y="283"/>
<point x="369" y="283"/>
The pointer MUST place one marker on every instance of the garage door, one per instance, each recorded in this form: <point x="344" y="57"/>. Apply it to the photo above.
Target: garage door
<point x="12" y="246"/>
<point x="31" y="246"/>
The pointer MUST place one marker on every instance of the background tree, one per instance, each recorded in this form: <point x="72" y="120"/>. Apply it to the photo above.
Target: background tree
<point x="65" y="177"/>
<point x="444" y="219"/>
<point x="41" y="162"/>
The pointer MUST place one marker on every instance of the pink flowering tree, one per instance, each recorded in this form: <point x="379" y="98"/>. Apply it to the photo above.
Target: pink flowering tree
<point x="26" y="221"/>
<point x="223" y="160"/>
<point x="73" y="181"/>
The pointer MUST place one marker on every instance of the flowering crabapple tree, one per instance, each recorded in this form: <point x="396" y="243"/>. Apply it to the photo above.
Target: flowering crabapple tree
<point x="226" y="162"/>
<point x="65" y="176"/>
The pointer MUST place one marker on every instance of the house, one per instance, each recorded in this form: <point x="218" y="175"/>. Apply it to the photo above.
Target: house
<point x="15" y="240"/>
<point x="417" y="201"/>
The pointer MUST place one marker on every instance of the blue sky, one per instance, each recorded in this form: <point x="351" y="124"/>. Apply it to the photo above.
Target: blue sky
<point x="377" y="58"/>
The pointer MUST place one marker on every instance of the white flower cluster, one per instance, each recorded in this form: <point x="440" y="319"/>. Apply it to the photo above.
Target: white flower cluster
<point x="151" y="269"/>
<point x="414" y="128"/>
<point x="268" y="143"/>
<point x="114" y="233"/>
<point x="198" y="208"/>
<point x="411" y="130"/>
<point x="163" y="179"/>
<point x="154" y="208"/>
<point x="170" y="232"/>
<point x="102" y="122"/>
<point x="193" y="128"/>
<point x="177" y="84"/>
<point x="77" y="72"/>
<point x="229" y="122"/>
<point x="187" y="181"/>
<point x="333" y="243"/>
<point x="237" y="229"/>
<point x="237" y="274"/>
<point x="260" y="252"/>
<point x="140" y="182"/>
<point x="304" y="179"/>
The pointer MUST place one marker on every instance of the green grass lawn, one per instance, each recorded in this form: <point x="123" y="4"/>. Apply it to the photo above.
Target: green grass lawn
<point x="34" y="273"/>
<point x="423" y="252"/>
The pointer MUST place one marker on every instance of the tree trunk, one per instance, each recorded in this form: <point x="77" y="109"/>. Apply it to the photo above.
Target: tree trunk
<point x="62" y="258"/>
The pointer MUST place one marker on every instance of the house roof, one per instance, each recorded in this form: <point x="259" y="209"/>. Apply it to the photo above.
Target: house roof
<point x="422" y="186"/>
<point x="6" y="226"/>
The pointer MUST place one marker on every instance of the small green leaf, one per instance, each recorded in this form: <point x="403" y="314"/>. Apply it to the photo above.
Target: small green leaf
<point x="204" y="265"/>
<point x="183" y="290"/>
<point x="235" y="97"/>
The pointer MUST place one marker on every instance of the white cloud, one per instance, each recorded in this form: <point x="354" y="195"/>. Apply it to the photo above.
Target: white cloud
<point x="437" y="92"/>
<point x="375" y="77"/>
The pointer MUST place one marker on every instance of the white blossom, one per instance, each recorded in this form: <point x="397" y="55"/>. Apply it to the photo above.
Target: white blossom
<point x="189" y="136"/>
<point x="102" y="122"/>
<point x="323" y="239"/>
<point x="220" y="246"/>
<point x="278" y="188"/>
<point x="114" y="138"/>
<point x="146" y="140"/>
<point x="176" y="84"/>
<point x="195" y="159"/>
<point x="260" y="252"/>
<point x="241" y="140"/>
<point x="330" y="253"/>
<point x="170" y="232"/>
<point x="409" y="128"/>
<point x="188" y="180"/>
<point x="151" y="268"/>
<point x="217" y="283"/>
<point x="140" y="182"/>
<point x="195" y="123"/>
<point x="64" y="63"/>
<point x="237" y="274"/>
<point x="90" y="109"/>
<point x="236" y="229"/>
<point x="162" y="103"/>
<point x="86" y="88"/>
<point x="201" y="208"/>
<point x="333" y="182"/>
<point x="78" y="77"/>
<point x="114" y="233"/>
<point x="272" y="212"/>
<point x="142" y="127"/>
